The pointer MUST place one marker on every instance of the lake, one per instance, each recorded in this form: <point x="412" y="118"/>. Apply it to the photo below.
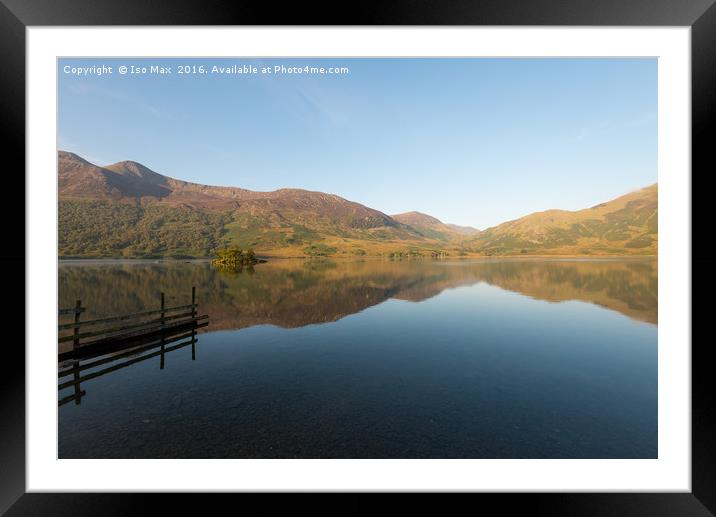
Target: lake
<point x="494" y="358"/>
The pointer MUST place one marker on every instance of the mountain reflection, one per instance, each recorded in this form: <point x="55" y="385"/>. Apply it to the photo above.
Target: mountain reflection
<point x="294" y="293"/>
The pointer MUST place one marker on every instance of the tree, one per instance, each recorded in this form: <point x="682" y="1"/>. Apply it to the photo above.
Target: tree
<point x="233" y="257"/>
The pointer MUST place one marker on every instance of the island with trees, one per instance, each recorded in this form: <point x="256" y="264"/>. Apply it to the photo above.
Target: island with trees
<point x="234" y="258"/>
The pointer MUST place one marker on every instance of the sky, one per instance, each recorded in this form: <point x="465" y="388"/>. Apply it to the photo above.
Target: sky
<point x="471" y="141"/>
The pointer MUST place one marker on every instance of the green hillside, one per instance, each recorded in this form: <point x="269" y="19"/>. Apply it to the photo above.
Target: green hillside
<point x="116" y="229"/>
<point x="627" y="225"/>
<point x="128" y="210"/>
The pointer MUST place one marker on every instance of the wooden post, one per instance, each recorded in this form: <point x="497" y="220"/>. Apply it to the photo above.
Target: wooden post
<point x="76" y="334"/>
<point x="193" y="315"/>
<point x="193" y="302"/>
<point x="161" y="360"/>
<point x="193" y="345"/>
<point x="76" y="377"/>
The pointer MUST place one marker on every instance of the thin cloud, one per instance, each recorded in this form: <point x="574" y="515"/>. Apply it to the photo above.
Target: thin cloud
<point x="84" y="88"/>
<point x="589" y="131"/>
<point x="307" y="102"/>
<point x="644" y="118"/>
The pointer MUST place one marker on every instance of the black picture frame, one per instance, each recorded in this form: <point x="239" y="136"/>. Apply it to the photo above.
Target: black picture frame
<point x="700" y="15"/>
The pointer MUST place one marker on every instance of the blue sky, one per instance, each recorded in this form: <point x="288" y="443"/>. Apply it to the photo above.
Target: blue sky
<point x="469" y="141"/>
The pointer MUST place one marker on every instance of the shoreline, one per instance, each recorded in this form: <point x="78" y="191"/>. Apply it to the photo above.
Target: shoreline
<point x="270" y="258"/>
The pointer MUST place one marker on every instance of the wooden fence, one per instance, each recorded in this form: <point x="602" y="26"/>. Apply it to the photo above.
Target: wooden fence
<point x="128" y="336"/>
<point x="79" y="370"/>
<point x="89" y="336"/>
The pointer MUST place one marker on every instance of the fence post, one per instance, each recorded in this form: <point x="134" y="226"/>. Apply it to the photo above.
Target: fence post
<point x="161" y="361"/>
<point x="76" y="333"/>
<point x="75" y="346"/>
<point x="193" y="345"/>
<point x="76" y="377"/>
<point x="193" y="316"/>
<point x="193" y="302"/>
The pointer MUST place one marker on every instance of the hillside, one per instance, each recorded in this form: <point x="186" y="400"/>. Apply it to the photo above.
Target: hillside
<point x="433" y="228"/>
<point x="625" y="225"/>
<point x="128" y="210"/>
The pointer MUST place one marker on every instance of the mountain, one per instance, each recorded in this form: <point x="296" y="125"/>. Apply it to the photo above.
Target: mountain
<point x="80" y="179"/>
<point x="128" y="210"/>
<point x="431" y="227"/>
<point x="464" y="230"/>
<point x="625" y="225"/>
<point x="132" y="181"/>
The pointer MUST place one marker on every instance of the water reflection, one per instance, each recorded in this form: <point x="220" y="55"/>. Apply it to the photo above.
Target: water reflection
<point x="93" y="366"/>
<point x="409" y="362"/>
<point x="295" y="293"/>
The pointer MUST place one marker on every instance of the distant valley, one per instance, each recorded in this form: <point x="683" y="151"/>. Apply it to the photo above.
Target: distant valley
<point x="127" y="210"/>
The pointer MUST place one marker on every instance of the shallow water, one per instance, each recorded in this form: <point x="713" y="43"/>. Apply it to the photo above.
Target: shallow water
<point x="379" y="359"/>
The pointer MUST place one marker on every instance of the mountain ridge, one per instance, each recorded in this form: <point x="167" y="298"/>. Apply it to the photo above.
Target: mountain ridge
<point x="422" y="221"/>
<point x="126" y="209"/>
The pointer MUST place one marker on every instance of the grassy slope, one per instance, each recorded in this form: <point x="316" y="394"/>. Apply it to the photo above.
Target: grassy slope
<point x="126" y="210"/>
<point x="104" y="228"/>
<point x="627" y="225"/>
<point x="111" y="229"/>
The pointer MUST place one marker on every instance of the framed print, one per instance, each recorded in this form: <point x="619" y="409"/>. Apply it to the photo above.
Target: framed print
<point x="420" y="253"/>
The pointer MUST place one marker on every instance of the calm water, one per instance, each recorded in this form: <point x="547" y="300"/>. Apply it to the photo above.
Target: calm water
<point x="377" y="359"/>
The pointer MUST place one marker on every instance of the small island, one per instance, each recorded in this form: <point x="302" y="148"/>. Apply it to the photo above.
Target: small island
<point x="235" y="258"/>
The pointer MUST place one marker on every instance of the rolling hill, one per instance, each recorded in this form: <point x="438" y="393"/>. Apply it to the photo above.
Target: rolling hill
<point x="625" y="225"/>
<point x="128" y="210"/>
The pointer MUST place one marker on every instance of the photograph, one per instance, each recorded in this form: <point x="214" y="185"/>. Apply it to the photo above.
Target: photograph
<point x="357" y="257"/>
